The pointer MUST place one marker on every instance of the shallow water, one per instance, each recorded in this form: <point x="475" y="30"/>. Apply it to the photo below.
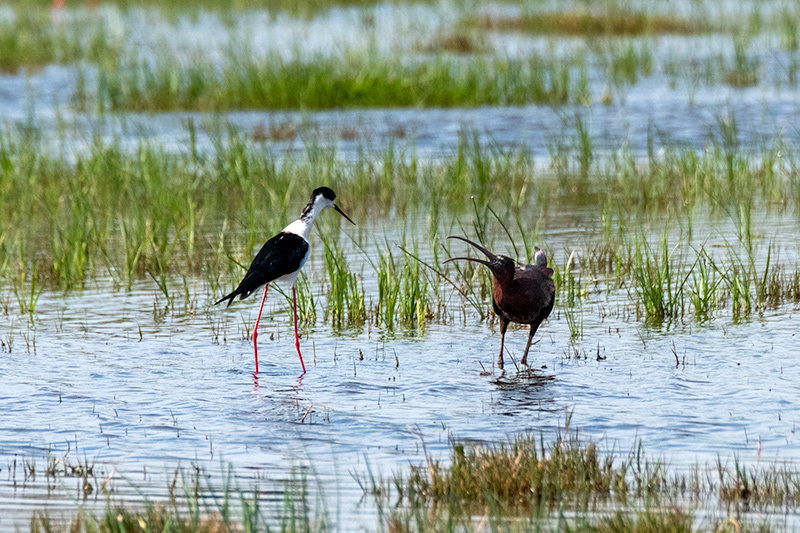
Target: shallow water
<point x="649" y="111"/>
<point x="670" y="109"/>
<point x="102" y="377"/>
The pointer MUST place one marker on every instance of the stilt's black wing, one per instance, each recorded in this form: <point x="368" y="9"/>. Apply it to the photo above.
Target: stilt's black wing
<point x="281" y="255"/>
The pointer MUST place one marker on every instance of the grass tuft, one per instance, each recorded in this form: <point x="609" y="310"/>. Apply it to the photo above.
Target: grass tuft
<point x="617" y="22"/>
<point x="32" y="39"/>
<point x="322" y="82"/>
<point x="518" y="476"/>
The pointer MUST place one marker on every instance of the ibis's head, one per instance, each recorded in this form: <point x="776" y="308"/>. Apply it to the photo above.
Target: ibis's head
<point x="321" y="198"/>
<point x="502" y="267"/>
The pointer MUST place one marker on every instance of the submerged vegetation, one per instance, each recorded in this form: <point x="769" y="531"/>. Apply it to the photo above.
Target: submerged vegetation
<point x="192" y="506"/>
<point x="524" y="485"/>
<point x="612" y="23"/>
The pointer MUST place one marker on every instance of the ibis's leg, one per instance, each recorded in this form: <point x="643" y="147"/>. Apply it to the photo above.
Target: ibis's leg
<point x="534" y="327"/>
<point x="255" y="329"/>
<point x="503" y="327"/>
<point x="296" y="338"/>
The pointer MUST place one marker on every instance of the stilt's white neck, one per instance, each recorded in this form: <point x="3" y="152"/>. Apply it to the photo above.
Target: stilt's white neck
<point x="302" y="225"/>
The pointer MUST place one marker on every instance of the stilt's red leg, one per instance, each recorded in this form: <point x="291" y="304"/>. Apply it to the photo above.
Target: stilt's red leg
<point x="296" y="338"/>
<point x="255" y="329"/>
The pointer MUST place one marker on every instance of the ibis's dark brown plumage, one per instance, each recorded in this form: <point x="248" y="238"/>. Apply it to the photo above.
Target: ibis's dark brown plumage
<point x="523" y="294"/>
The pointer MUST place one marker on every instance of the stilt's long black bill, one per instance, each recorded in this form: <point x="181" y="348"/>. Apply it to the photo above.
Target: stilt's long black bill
<point x="486" y="252"/>
<point x="481" y="261"/>
<point x="342" y="213"/>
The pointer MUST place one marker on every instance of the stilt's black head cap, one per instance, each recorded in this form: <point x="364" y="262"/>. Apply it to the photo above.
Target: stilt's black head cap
<point x="324" y="192"/>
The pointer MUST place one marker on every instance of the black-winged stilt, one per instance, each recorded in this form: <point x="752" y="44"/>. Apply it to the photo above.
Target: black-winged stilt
<point x="281" y="258"/>
<point x="523" y="294"/>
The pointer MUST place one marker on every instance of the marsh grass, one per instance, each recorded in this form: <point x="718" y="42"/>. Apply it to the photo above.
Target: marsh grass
<point x="750" y="488"/>
<point x="457" y="42"/>
<point x="572" y="485"/>
<point x="523" y="484"/>
<point x="403" y="292"/>
<point x="450" y="69"/>
<point x="569" y="291"/>
<point x="388" y="290"/>
<point x="660" y="281"/>
<point x="346" y="302"/>
<point x="744" y="70"/>
<point x="32" y="39"/>
<point x="194" y="507"/>
<point x="706" y="280"/>
<point x="177" y="8"/>
<point x="170" y="217"/>
<point x="615" y="22"/>
<point x="414" y="294"/>
<point x="790" y="30"/>
<point x="516" y="478"/>
<point x="154" y="214"/>
<point x="306" y="301"/>
<point x="627" y="62"/>
<point x="353" y="79"/>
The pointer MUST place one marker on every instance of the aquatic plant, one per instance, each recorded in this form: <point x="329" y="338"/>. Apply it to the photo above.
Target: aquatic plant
<point x="414" y="307"/>
<point x="193" y="507"/>
<point x="706" y="280"/>
<point x="660" y="280"/>
<point x="626" y="62"/>
<point x="614" y="22"/>
<point x="346" y="303"/>
<point x="459" y="42"/>
<point x="31" y="38"/>
<point x="530" y="486"/>
<point x="355" y="79"/>
<point x="146" y="213"/>
<point x="744" y="71"/>
<point x="523" y="484"/>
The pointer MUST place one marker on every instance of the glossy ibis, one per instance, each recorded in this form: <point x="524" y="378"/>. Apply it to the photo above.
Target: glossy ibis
<point x="281" y="258"/>
<point x="522" y="294"/>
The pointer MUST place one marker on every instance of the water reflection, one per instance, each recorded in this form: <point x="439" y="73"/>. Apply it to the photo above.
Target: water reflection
<point x="524" y="393"/>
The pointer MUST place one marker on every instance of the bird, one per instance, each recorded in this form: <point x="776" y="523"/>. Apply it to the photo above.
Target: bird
<point x="281" y="258"/>
<point x="522" y="294"/>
